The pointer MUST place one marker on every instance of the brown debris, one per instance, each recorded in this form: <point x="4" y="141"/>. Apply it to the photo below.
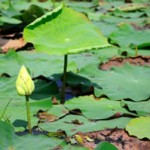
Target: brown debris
<point x="13" y="44"/>
<point x="117" y="137"/>
<point x="45" y="117"/>
<point x="119" y="61"/>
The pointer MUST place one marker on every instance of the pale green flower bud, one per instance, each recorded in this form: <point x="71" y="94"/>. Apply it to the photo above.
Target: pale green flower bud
<point x="24" y="83"/>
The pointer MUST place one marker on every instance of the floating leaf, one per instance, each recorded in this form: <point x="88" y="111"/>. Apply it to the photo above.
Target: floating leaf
<point x="63" y="31"/>
<point x="96" y="109"/>
<point x="131" y="7"/>
<point x="105" y="146"/>
<point x="10" y="141"/>
<point x="139" y="127"/>
<point x="125" y="36"/>
<point x="141" y="108"/>
<point x="127" y="81"/>
<point x="86" y="126"/>
<point x="24" y="83"/>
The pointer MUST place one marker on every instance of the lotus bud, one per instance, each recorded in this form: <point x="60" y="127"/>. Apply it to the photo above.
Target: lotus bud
<point x="24" y="83"/>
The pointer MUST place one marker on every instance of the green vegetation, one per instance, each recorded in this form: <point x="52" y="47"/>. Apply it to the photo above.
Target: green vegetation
<point x="73" y="97"/>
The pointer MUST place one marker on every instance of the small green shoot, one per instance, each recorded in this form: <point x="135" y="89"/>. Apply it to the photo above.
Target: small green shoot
<point x="4" y="111"/>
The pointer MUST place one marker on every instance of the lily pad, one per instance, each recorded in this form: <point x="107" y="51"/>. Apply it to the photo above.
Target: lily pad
<point x="96" y="109"/>
<point x="84" y="125"/>
<point x="141" y="108"/>
<point x="63" y="31"/>
<point x="127" y="81"/>
<point x="139" y="127"/>
<point x="9" y="140"/>
<point x="105" y="145"/>
<point x="123" y="82"/>
<point x="125" y="37"/>
<point x="47" y="65"/>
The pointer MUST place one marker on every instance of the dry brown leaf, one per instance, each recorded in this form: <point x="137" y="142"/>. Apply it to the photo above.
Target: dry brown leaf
<point x="13" y="44"/>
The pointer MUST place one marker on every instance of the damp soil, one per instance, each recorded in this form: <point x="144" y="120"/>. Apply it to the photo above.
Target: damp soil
<point x="119" y="61"/>
<point x="118" y="137"/>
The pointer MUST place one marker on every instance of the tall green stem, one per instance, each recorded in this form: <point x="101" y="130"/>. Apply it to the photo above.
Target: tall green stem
<point x="28" y="113"/>
<point x="9" y="3"/>
<point x="64" y="80"/>
<point x="54" y="3"/>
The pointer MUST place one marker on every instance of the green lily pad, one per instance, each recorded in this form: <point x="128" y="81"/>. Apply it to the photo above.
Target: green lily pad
<point x="104" y="146"/>
<point x="139" y="127"/>
<point x="125" y="37"/>
<point x="84" y="125"/>
<point x="47" y="65"/>
<point x="9" y="140"/>
<point x="123" y="14"/>
<point x="127" y="81"/>
<point x="141" y="108"/>
<point x="9" y="20"/>
<point x="131" y="7"/>
<point x="95" y="109"/>
<point x="63" y="31"/>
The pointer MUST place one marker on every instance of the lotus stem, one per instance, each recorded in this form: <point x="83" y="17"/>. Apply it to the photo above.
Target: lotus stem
<point x="54" y="3"/>
<point x="64" y="80"/>
<point x="9" y="3"/>
<point x="28" y="113"/>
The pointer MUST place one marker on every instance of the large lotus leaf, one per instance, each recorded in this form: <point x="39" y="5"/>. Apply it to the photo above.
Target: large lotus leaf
<point x="84" y="125"/>
<point x="64" y="31"/>
<point x="96" y="109"/>
<point x="127" y="81"/>
<point x="42" y="64"/>
<point x="126" y="36"/>
<point x="139" y="127"/>
<point x="141" y="108"/>
<point x="123" y="82"/>
<point x="10" y="141"/>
